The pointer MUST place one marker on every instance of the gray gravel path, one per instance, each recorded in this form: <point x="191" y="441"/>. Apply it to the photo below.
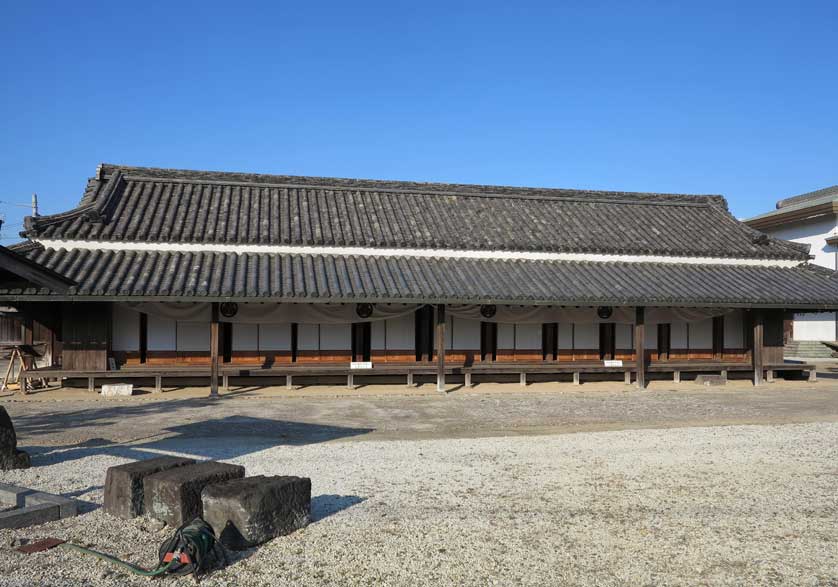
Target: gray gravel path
<point x="736" y="505"/>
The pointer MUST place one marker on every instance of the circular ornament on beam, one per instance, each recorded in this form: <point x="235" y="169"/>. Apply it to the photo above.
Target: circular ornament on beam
<point x="488" y="310"/>
<point x="228" y="309"/>
<point x="604" y="312"/>
<point x="363" y="310"/>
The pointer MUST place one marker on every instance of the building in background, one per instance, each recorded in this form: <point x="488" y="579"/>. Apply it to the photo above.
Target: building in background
<point x="811" y="219"/>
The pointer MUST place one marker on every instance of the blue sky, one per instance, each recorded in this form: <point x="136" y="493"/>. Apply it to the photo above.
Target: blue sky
<point x="737" y="98"/>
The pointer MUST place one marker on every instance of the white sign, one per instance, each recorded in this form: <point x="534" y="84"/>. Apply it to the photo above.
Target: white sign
<point x="360" y="365"/>
<point x="118" y="389"/>
<point x="609" y="363"/>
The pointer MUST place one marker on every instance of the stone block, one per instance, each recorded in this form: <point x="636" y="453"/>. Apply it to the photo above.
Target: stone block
<point x="710" y="380"/>
<point x="14" y="496"/>
<point x="112" y="389"/>
<point x="67" y="508"/>
<point x="29" y="516"/>
<point x="174" y="496"/>
<point x="124" y="484"/>
<point x="250" y="511"/>
<point x="10" y="456"/>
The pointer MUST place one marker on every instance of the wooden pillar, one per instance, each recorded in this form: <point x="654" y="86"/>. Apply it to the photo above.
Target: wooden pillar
<point x="440" y="347"/>
<point x="640" y="345"/>
<point x="756" y="345"/>
<point x="214" y="351"/>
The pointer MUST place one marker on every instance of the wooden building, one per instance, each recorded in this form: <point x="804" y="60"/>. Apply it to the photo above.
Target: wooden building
<point x="170" y="273"/>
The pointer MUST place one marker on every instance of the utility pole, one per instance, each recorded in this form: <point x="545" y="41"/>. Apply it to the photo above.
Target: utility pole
<point x="34" y="204"/>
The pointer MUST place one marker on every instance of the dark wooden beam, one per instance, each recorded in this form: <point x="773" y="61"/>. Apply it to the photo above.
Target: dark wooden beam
<point x="640" y="345"/>
<point x="756" y="345"/>
<point x="214" y="336"/>
<point x="440" y="347"/>
<point x="33" y="272"/>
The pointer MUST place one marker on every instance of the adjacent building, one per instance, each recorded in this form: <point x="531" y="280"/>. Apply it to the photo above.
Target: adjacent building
<point x="810" y="219"/>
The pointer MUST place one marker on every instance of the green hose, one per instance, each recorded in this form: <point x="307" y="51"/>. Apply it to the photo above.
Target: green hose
<point x="133" y="568"/>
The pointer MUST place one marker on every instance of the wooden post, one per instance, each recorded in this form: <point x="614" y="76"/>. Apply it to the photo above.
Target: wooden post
<point x="523" y="379"/>
<point x="410" y="378"/>
<point x="756" y="346"/>
<point x="640" y="346"/>
<point x="440" y="347"/>
<point x="214" y="351"/>
<point x="576" y="378"/>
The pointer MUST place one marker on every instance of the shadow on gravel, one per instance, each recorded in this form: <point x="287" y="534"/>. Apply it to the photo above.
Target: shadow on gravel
<point x="213" y="438"/>
<point x="323" y="506"/>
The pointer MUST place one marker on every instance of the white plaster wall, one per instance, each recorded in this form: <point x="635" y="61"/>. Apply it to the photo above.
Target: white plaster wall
<point x="734" y="330"/>
<point x="162" y="333"/>
<point x="378" y="335"/>
<point x="245" y="337"/>
<point x="335" y="337"/>
<point x="275" y="337"/>
<point x="126" y="329"/>
<point x="623" y="335"/>
<point x="814" y="233"/>
<point x="506" y="336"/>
<point x="701" y="334"/>
<point x="586" y="336"/>
<point x="816" y="326"/>
<point x="528" y="336"/>
<point x="651" y="339"/>
<point x="466" y="334"/>
<point x="678" y="335"/>
<point x="308" y="336"/>
<point x="565" y="335"/>
<point x="401" y="333"/>
<point x="192" y="336"/>
<point x="449" y="331"/>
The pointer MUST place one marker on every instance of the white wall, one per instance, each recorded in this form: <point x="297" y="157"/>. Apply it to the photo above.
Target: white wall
<point x="816" y="326"/>
<point x="193" y="336"/>
<point x="651" y="338"/>
<point x="819" y="326"/>
<point x="701" y="334"/>
<point x="162" y="333"/>
<point x="308" y="337"/>
<point x="335" y="337"/>
<point x="506" y="336"/>
<point x="528" y="336"/>
<point x="586" y="336"/>
<point x="466" y="334"/>
<point x="245" y="337"/>
<point x="565" y="335"/>
<point x="678" y="335"/>
<point x="126" y="329"/>
<point x="401" y="332"/>
<point x="275" y="337"/>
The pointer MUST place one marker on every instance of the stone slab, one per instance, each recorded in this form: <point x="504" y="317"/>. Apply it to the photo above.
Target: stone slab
<point x="174" y="496"/>
<point x="12" y="495"/>
<point x="114" y="389"/>
<point x="711" y="380"/>
<point x="250" y="511"/>
<point x="67" y="508"/>
<point x="29" y="516"/>
<point x="124" y="489"/>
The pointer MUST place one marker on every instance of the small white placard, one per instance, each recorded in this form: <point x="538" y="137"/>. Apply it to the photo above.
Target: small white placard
<point x="118" y="389"/>
<point x="610" y="363"/>
<point x="360" y="365"/>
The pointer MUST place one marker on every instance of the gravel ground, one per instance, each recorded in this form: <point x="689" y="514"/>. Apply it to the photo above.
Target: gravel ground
<point x="724" y="505"/>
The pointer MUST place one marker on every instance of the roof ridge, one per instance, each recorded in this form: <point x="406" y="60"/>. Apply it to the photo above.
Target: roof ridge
<point x="403" y="186"/>
<point x="805" y="197"/>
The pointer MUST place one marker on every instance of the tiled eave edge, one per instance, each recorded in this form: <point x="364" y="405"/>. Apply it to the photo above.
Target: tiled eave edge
<point x="405" y="253"/>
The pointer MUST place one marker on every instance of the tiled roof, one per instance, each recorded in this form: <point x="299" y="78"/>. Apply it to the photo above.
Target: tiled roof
<point x="171" y="206"/>
<point x="330" y="278"/>
<point x="808" y="197"/>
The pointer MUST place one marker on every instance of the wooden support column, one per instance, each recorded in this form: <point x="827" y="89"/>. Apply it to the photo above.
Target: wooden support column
<point x="756" y="345"/>
<point x="440" y="347"/>
<point x="214" y="351"/>
<point x="640" y="345"/>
